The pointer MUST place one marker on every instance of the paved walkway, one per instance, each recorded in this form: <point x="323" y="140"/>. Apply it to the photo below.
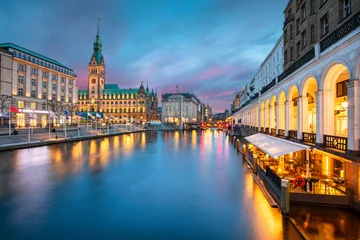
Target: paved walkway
<point x="42" y="134"/>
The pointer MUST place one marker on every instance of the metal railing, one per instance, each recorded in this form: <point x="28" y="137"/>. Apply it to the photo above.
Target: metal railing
<point x="262" y="129"/>
<point x="281" y="133"/>
<point x="273" y="131"/>
<point x="292" y="134"/>
<point x="340" y="32"/>
<point x="267" y="87"/>
<point x="309" y="137"/>
<point x="296" y="65"/>
<point x="339" y="143"/>
<point x="267" y="130"/>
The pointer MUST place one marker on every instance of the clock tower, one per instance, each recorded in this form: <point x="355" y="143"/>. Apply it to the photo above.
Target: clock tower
<point x="96" y="69"/>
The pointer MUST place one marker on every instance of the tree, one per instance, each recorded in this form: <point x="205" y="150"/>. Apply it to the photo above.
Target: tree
<point x="55" y="106"/>
<point x="5" y="103"/>
<point x="72" y="109"/>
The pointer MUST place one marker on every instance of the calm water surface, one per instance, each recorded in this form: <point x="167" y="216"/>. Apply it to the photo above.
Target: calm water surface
<point x="147" y="185"/>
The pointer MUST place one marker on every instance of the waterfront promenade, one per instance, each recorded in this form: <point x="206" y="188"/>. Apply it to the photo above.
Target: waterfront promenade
<point x="41" y="136"/>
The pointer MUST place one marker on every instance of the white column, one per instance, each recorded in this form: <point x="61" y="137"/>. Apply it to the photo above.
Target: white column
<point x="319" y="116"/>
<point x="287" y="116"/>
<point x="353" y="115"/>
<point x="277" y="122"/>
<point x="49" y="86"/>
<point x="66" y="89"/>
<point x="300" y="117"/>
<point x="58" y="88"/>
<point x="271" y="116"/>
<point x="305" y="117"/>
<point x="28" y="81"/>
<point x="39" y="83"/>
<point x="259" y="117"/>
<point x="14" y="78"/>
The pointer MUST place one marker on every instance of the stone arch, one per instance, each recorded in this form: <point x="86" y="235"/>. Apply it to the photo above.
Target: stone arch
<point x="293" y="94"/>
<point x="262" y="114"/>
<point x="310" y="88"/>
<point x="331" y="72"/>
<point x="334" y="88"/>
<point x="281" y="103"/>
<point x="267" y="113"/>
<point x="273" y="103"/>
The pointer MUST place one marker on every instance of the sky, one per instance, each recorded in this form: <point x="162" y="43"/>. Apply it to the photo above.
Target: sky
<point x="209" y="47"/>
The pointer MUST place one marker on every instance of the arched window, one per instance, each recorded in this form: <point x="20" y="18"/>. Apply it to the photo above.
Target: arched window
<point x="93" y="81"/>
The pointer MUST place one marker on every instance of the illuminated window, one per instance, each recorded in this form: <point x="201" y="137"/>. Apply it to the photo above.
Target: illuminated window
<point x="21" y="104"/>
<point x="33" y="105"/>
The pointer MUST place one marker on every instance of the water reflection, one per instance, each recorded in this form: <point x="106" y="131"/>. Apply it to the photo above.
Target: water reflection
<point x="158" y="185"/>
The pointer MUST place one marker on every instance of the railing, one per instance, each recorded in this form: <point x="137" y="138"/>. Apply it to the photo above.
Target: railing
<point x="335" y="142"/>
<point x="267" y="130"/>
<point x="273" y="131"/>
<point x="309" y="137"/>
<point x="289" y="18"/>
<point x="293" y="134"/>
<point x="341" y="32"/>
<point x="281" y="133"/>
<point x="296" y="65"/>
<point x="267" y="87"/>
<point x="262" y="129"/>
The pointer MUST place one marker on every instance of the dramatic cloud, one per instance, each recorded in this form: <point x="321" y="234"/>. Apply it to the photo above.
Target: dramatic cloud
<point x="209" y="47"/>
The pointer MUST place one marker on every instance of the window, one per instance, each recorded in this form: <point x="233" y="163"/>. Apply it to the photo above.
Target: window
<point x="341" y="88"/>
<point x="21" y="67"/>
<point x="303" y="12"/>
<point x="54" y="87"/>
<point x="33" y="105"/>
<point x="312" y="34"/>
<point x="43" y="95"/>
<point x="70" y="90"/>
<point x="70" y="81"/>
<point x="21" y="79"/>
<point x="62" y="79"/>
<point x="34" y="71"/>
<point x="346" y="8"/>
<point x="291" y="53"/>
<point x="43" y="106"/>
<point x="93" y="81"/>
<point x="285" y="36"/>
<point x="54" y="77"/>
<point x="44" y="84"/>
<point x="33" y="93"/>
<point x="45" y="74"/>
<point x="297" y="25"/>
<point x="20" y="91"/>
<point x="324" y="22"/>
<point x="62" y="89"/>
<point x="53" y="97"/>
<point x="21" y="104"/>
<point x="312" y="6"/>
<point x="62" y="98"/>
<point x="303" y="38"/>
<point x="291" y="31"/>
<point x="70" y="99"/>
<point x="298" y="47"/>
<point x="33" y="82"/>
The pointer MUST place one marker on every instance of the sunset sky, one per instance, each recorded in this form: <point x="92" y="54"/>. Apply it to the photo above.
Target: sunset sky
<point x="209" y="47"/>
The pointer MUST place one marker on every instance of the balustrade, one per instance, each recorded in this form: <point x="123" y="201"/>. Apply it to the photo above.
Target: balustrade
<point x="273" y="131"/>
<point x="281" y="133"/>
<point x="309" y="137"/>
<point x="339" y="143"/>
<point x="293" y="134"/>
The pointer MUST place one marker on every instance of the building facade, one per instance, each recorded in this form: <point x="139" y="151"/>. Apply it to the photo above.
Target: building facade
<point x="316" y="98"/>
<point x="114" y="104"/>
<point x="35" y="80"/>
<point x="180" y="108"/>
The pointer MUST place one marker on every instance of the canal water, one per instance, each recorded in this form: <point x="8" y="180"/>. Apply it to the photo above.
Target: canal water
<point x="154" y="185"/>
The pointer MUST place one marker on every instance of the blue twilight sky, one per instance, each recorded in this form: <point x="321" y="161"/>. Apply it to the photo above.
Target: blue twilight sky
<point x="209" y="47"/>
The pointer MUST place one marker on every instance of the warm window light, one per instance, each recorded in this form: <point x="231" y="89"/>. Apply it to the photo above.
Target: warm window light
<point x="344" y="103"/>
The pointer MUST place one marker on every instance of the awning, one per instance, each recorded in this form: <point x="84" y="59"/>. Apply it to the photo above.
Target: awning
<point x="274" y="147"/>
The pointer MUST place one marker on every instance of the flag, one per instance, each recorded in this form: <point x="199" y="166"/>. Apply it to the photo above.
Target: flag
<point x="66" y="113"/>
<point x="14" y="109"/>
<point x="4" y="115"/>
<point x="52" y="115"/>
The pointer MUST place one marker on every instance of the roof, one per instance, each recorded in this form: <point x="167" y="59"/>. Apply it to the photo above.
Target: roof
<point x="34" y="54"/>
<point x="274" y="147"/>
<point x="111" y="86"/>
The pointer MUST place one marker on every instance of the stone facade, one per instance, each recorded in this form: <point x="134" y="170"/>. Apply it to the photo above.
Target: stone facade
<point x="35" y="80"/>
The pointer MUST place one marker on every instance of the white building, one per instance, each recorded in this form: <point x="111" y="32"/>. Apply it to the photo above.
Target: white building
<point x="175" y="105"/>
<point x="35" y="80"/>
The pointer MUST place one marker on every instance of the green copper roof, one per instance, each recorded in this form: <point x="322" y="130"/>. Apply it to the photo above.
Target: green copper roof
<point x="97" y="54"/>
<point x="119" y="91"/>
<point x="34" y="54"/>
<point x="83" y="92"/>
<point x="111" y="86"/>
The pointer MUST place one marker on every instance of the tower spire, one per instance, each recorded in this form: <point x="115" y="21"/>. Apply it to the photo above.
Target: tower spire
<point x="98" y="30"/>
